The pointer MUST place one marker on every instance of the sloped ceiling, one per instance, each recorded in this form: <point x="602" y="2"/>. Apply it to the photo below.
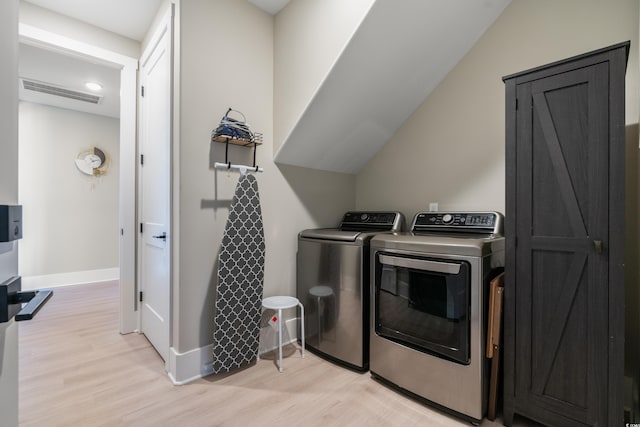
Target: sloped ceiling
<point x="397" y="57"/>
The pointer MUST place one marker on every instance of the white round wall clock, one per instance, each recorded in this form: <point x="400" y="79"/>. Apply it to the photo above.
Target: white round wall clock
<point x="92" y="161"/>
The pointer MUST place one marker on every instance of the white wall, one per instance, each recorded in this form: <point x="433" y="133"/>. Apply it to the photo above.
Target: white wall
<point x="309" y="37"/>
<point x="45" y="19"/>
<point x="156" y="21"/>
<point x="71" y="219"/>
<point x="9" y="195"/>
<point x="451" y="150"/>
<point x="9" y="105"/>
<point x="292" y="198"/>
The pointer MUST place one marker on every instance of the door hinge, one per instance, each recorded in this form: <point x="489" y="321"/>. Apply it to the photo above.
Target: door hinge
<point x="122" y="231"/>
<point x="140" y="296"/>
<point x="142" y="91"/>
<point x="142" y="159"/>
<point x="516" y="103"/>
<point x="141" y="228"/>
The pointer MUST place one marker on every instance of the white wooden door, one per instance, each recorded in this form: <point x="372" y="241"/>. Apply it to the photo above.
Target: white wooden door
<point x="9" y="373"/>
<point x="8" y="194"/>
<point x="154" y="209"/>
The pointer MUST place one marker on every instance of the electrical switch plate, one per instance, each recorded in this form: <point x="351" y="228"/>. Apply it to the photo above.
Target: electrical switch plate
<point x="433" y="207"/>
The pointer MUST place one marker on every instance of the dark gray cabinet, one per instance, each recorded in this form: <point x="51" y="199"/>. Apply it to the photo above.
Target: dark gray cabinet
<point x="564" y="226"/>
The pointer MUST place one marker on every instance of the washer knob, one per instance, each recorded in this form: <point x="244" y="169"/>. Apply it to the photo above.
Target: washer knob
<point x="447" y="218"/>
<point x="364" y="217"/>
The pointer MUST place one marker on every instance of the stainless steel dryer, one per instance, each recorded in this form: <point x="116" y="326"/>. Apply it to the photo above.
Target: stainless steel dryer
<point x="333" y="285"/>
<point x="428" y="307"/>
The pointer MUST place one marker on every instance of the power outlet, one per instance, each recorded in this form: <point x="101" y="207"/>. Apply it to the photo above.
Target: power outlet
<point x="433" y="207"/>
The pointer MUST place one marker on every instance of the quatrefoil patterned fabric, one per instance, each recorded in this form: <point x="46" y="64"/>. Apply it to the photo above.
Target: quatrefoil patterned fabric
<point x="240" y="281"/>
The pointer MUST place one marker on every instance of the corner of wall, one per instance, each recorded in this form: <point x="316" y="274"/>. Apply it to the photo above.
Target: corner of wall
<point x="189" y="366"/>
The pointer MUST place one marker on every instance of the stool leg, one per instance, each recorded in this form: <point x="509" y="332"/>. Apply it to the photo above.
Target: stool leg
<point x="319" y="322"/>
<point x="280" y="339"/>
<point x="302" y="327"/>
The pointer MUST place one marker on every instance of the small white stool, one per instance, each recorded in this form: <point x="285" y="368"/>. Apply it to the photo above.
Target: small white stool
<point x="282" y="303"/>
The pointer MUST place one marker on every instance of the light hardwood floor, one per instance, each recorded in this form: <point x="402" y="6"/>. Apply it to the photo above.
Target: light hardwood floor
<point x="77" y="370"/>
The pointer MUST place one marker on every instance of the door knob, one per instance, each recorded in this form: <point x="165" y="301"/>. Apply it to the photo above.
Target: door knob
<point x="162" y="236"/>
<point x="597" y="244"/>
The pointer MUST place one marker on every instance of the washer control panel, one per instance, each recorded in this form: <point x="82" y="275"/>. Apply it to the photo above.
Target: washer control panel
<point x="475" y="222"/>
<point x="391" y="221"/>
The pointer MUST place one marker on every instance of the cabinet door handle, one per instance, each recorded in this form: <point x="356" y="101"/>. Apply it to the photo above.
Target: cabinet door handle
<point x="598" y="245"/>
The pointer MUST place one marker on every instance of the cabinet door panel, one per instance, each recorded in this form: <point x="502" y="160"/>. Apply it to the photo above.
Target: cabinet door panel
<point x="562" y="204"/>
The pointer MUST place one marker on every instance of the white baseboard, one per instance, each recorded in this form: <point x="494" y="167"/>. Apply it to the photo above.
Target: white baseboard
<point x="71" y="278"/>
<point x="269" y="336"/>
<point x="198" y="363"/>
<point x="191" y="365"/>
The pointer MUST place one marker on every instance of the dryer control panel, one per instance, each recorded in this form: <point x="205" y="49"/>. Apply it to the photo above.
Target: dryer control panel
<point x="470" y="222"/>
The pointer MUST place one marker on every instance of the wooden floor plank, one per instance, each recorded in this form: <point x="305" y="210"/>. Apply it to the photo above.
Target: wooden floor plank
<point x="77" y="370"/>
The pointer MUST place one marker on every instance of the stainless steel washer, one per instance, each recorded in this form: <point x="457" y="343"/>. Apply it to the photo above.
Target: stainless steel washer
<point x="333" y="285"/>
<point x="428" y="307"/>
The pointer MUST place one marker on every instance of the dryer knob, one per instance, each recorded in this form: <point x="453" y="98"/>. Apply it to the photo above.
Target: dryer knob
<point x="447" y="218"/>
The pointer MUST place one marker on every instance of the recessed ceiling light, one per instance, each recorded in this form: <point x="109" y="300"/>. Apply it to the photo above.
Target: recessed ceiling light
<point x="93" y="86"/>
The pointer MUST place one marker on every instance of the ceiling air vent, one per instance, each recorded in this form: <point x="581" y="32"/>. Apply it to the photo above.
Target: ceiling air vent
<point x="50" y="89"/>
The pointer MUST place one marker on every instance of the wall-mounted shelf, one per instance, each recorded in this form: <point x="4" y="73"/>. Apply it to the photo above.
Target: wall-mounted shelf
<point x="243" y="142"/>
<point x="236" y="132"/>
